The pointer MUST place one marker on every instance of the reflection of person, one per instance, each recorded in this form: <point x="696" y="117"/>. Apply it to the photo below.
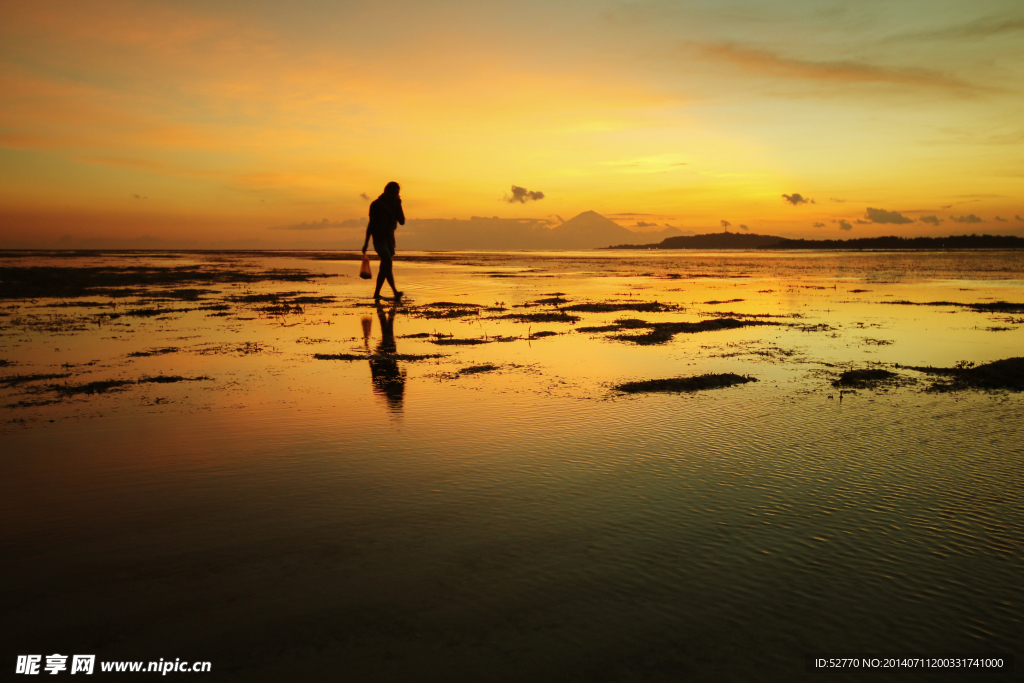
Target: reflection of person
<point x="385" y="216"/>
<point x="388" y="379"/>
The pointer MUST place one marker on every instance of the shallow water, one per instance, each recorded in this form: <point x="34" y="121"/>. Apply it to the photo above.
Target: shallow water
<point x="286" y="517"/>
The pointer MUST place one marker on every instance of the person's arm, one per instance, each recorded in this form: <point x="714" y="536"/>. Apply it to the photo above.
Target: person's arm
<point x="401" y="214"/>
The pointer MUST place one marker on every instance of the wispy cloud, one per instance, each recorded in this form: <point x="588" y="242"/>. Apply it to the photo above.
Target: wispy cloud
<point x="765" y="63"/>
<point x="933" y="220"/>
<point x="520" y="195"/>
<point x="818" y="224"/>
<point x="883" y="216"/>
<point x="980" y="28"/>
<point x="969" y="218"/>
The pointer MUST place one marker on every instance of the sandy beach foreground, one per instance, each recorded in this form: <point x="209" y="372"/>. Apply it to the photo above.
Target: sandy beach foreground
<point x="536" y="466"/>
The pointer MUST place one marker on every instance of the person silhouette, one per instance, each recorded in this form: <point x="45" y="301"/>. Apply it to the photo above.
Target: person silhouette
<point x="385" y="216"/>
<point x="387" y="378"/>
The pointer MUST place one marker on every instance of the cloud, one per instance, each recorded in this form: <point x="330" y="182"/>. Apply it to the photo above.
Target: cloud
<point x="843" y="225"/>
<point x="818" y="225"/>
<point x="324" y="225"/>
<point x="521" y="195"/>
<point x="861" y="221"/>
<point x="743" y="227"/>
<point x="797" y="198"/>
<point x="645" y="224"/>
<point x="934" y="220"/>
<point x="1018" y="217"/>
<point x="139" y="196"/>
<point x="883" y="216"/>
<point x="765" y="63"/>
<point x="725" y="224"/>
<point x="365" y="197"/>
<point x="1001" y="220"/>
<point x="981" y="28"/>
<point x="836" y="200"/>
<point x="970" y="218"/>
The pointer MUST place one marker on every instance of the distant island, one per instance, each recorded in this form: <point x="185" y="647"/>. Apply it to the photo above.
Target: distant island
<point x="736" y="240"/>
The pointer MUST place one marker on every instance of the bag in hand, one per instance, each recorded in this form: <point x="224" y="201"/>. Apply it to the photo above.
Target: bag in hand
<point x="364" y="270"/>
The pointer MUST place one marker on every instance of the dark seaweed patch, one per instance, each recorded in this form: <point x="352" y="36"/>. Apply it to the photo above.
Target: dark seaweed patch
<point x="681" y="384"/>
<point x="1001" y="374"/>
<point x="73" y="282"/>
<point x="104" y="386"/>
<point x="475" y="369"/>
<point x="608" y="307"/>
<point x="865" y="379"/>
<point x="153" y="352"/>
<point x="14" y="380"/>
<point x="382" y="356"/>
<point x="993" y="307"/>
<point x="664" y="332"/>
<point x="150" y="312"/>
<point x="553" y="317"/>
<point x="451" y="341"/>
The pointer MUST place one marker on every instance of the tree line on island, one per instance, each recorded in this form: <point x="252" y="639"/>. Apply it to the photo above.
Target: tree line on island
<point x="733" y="240"/>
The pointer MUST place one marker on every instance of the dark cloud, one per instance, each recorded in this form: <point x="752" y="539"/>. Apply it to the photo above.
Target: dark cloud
<point x="365" y="197"/>
<point x="520" y="195"/>
<point x="139" y="196"/>
<point x="645" y="224"/>
<point x="818" y="225"/>
<point x="836" y="200"/>
<point x="861" y="221"/>
<point x="743" y="227"/>
<point x="324" y="225"/>
<point x="1001" y="220"/>
<point x="934" y="220"/>
<point x="797" y="198"/>
<point x="1018" y="217"/>
<point x="883" y="216"/>
<point x="969" y="218"/>
<point x="725" y="224"/>
<point x="843" y="225"/>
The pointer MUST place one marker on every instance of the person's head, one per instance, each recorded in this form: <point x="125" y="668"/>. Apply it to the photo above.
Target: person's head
<point x="391" y="189"/>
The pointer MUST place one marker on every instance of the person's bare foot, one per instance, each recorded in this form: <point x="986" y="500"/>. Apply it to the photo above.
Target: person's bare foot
<point x="398" y="295"/>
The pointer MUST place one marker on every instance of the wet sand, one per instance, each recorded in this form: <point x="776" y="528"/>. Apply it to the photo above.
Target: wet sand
<point x="239" y="458"/>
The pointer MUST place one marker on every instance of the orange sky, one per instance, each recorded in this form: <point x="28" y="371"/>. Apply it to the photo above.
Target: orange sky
<point x="216" y="121"/>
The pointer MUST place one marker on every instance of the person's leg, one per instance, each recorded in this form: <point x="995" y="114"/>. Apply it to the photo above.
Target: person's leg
<point x="381" y="276"/>
<point x="383" y="267"/>
<point x="390" y="273"/>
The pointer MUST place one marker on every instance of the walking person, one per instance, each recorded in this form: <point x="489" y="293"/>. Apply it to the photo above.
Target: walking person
<point x="385" y="217"/>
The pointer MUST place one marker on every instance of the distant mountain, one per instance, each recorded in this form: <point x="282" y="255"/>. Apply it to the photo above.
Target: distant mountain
<point x="589" y="230"/>
<point x="734" y="240"/>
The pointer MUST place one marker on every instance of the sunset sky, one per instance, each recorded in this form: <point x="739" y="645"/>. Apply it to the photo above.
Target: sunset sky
<point x="217" y="121"/>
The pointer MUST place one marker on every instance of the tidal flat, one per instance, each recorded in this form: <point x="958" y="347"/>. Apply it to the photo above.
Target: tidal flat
<point x="239" y="457"/>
